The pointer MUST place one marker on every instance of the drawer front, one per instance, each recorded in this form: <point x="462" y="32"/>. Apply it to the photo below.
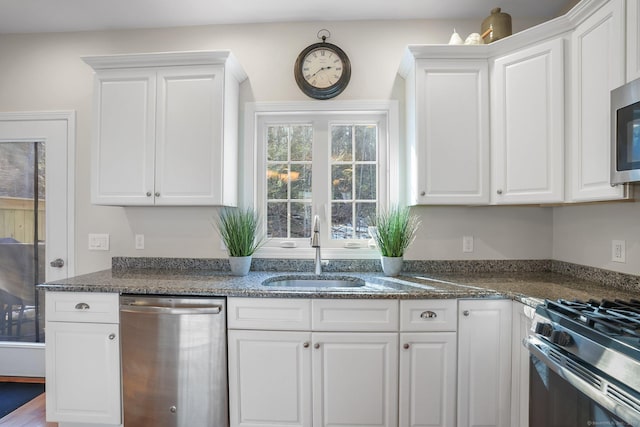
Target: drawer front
<point x="428" y="315"/>
<point x="269" y="314"/>
<point x="355" y="315"/>
<point x="84" y="307"/>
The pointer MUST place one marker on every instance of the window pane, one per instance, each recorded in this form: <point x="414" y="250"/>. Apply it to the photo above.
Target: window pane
<point x="342" y="182"/>
<point x="277" y="182"/>
<point x="300" y="220"/>
<point x="341" y="221"/>
<point x="300" y="181"/>
<point x="341" y="144"/>
<point x="366" y="182"/>
<point x="277" y="143"/>
<point x="301" y="142"/>
<point x="365" y="216"/>
<point x="277" y="219"/>
<point x="366" y="142"/>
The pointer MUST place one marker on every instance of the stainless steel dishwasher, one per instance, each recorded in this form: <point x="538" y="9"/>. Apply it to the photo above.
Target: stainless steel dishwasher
<point x="174" y="363"/>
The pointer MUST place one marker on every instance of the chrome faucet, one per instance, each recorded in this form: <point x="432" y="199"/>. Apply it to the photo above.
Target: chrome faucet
<point x="315" y="243"/>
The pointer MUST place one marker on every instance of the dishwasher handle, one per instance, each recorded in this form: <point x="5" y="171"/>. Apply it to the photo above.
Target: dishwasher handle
<point x="157" y="309"/>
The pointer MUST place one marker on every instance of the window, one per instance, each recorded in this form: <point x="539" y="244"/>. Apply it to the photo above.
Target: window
<point x="329" y="162"/>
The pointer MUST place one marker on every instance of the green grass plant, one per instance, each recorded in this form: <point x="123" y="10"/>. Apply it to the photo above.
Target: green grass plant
<point x="396" y="228"/>
<point x="239" y="229"/>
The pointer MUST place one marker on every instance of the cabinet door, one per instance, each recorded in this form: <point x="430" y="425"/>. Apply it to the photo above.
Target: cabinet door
<point x="83" y="373"/>
<point x="427" y="379"/>
<point x="527" y="110"/>
<point x="633" y="40"/>
<point x="269" y="378"/>
<point x="123" y="150"/>
<point x="522" y="319"/>
<point x="355" y="379"/>
<point x="484" y="363"/>
<point x="189" y="155"/>
<point x="449" y="156"/>
<point x="597" y="67"/>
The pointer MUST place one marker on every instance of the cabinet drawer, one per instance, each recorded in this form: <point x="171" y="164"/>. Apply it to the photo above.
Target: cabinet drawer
<point x="355" y="315"/>
<point x="428" y="315"/>
<point x="269" y="314"/>
<point x="88" y="307"/>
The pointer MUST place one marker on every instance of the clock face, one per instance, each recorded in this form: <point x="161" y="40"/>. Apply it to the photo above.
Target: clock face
<point x="322" y="70"/>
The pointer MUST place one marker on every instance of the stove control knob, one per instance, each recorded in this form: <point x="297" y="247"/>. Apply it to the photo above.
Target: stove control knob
<point x="544" y="329"/>
<point x="561" y="338"/>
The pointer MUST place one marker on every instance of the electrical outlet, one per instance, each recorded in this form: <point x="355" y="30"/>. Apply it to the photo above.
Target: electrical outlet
<point x="139" y="241"/>
<point x="98" y="242"/>
<point x="467" y="243"/>
<point x="618" y="251"/>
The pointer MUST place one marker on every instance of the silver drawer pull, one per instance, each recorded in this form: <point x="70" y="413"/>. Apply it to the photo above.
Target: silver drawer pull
<point x="428" y="315"/>
<point x="82" y="306"/>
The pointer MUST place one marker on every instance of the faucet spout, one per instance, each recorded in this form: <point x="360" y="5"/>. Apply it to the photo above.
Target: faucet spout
<point x="315" y="243"/>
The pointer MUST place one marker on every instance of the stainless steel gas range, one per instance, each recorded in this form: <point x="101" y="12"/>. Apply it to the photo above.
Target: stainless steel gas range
<point x="585" y="364"/>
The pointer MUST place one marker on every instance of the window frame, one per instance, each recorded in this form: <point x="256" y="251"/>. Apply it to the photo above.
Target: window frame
<point x="253" y="183"/>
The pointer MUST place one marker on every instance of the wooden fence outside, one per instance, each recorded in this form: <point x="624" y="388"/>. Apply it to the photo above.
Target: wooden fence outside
<point x="17" y="219"/>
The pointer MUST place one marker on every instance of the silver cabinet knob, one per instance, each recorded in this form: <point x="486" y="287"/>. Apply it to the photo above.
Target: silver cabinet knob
<point x="406" y="346"/>
<point x="466" y="313"/>
<point x="173" y="409"/>
<point x="82" y="306"/>
<point x="499" y="191"/>
<point x="316" y="345"/>
<point x="428" y="314"/>
<point x="423" y="193"/>
<point x="149" y="193"/>
<point x="57" y="263"/>
<point x="112" y="337"/>
<point x="305" y="344"/>
<point x="157" y="194"/>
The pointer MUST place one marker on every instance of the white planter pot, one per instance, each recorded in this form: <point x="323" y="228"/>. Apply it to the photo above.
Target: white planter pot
<point x="391" y="266"/>
<point x="240" y="265"/>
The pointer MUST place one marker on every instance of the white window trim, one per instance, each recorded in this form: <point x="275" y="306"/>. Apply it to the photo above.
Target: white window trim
<point x="255" y="110"/>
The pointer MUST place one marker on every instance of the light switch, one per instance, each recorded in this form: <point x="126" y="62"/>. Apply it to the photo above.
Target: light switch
<point x="98" y="242"/>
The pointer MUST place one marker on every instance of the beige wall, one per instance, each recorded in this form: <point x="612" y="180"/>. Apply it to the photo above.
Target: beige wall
<point x="44" y="72"/>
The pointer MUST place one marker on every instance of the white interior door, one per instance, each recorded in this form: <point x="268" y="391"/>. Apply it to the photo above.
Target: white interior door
<point x="55" y="133"/>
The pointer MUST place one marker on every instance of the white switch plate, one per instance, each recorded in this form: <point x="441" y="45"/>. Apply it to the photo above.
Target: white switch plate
<point x="618" y="251"/>
<point x="467" y="243"/>
<point x="98" y="242"/>
<point x="139" y="241"/>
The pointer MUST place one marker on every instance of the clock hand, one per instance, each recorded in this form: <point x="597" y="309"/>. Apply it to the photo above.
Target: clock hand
<point x="321" y="69"/>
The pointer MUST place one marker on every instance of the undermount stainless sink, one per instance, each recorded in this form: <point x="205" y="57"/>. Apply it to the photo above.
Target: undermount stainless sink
<point x="314" y="282"/>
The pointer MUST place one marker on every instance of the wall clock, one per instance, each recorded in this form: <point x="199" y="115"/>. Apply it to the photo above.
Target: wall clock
<point x="322" y="70"/>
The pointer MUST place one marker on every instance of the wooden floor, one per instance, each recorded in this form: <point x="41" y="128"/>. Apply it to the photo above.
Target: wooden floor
<point x="31" y="414"/>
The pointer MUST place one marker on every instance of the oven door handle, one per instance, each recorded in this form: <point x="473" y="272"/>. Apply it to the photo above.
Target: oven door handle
<point x="540" y="350"/>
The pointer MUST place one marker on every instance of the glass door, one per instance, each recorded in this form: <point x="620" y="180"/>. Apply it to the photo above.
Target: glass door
<point x="22" y="239"/>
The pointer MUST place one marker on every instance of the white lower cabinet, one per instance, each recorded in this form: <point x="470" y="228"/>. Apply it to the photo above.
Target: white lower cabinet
<point x="355" y="381"/>
<point x="427" y="379"/>
<point x="484" y="363"/>
<point x="269" y="378"/>
<point x="312" y="378"/>
<point x="82" y="359"/>
<point x="420" y="363"/>
<point x="522" y="320"/>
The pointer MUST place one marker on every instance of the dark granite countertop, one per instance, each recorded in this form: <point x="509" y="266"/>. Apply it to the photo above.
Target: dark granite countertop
<point x="528" y="287"/>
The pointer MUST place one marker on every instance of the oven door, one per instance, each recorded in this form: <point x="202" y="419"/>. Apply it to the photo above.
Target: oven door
<point x="566" y="393"/>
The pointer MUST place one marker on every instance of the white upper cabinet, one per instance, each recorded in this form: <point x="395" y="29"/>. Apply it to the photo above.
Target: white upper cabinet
<point x="527" y="126"/>
<point x="447" y="130"/>
<point x="165" y="129"/>
<point x="633" y="40"/>
<point x="598" y="66"/>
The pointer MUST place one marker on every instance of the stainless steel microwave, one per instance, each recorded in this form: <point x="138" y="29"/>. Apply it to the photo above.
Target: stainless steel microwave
<point x="625" y="133"/>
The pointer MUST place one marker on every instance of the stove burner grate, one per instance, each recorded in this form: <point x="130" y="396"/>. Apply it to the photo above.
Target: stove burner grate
<point x="613" y="318"/>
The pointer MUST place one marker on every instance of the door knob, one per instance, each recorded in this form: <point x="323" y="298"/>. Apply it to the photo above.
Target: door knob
<point x="57" y="263"/>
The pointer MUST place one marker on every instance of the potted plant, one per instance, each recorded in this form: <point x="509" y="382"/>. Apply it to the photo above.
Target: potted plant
<point x="394" y="231"/>
<point x="238" y="229"/>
